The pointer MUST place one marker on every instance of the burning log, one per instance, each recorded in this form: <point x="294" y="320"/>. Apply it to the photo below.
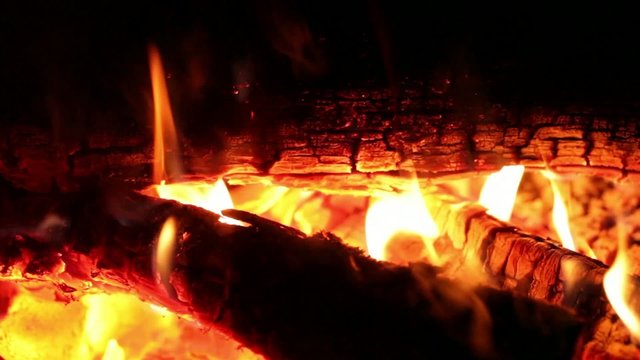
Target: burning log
<point x="277" y="291"/>
<point x="535" y="267"/>
<point x="343" y="140"/>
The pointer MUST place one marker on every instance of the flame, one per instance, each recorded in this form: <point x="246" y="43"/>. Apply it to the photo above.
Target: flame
<point x="499" y="192"/>
<point x="396" y="214"/>
<point x="164" y="251"/>
<point x="560" y="218"/>
<point x="213" y="197"/>
<point x="104" y="326"/>
<point x="97" y="325"/>
<point x="166" y="152"/>
<point x="618" y="289"/>
<point x="161" y="310"/>
<point x="111" y="326"/>
<point x="113" y="351"/>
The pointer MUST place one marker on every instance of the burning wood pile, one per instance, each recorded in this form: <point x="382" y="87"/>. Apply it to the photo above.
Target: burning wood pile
<point x="401" y="241"/>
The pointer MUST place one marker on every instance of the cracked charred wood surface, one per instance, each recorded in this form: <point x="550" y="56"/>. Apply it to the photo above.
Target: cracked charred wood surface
<point x="282" y="294"/>
<point x="350" y="139"/>
<point x="537" y="268"/>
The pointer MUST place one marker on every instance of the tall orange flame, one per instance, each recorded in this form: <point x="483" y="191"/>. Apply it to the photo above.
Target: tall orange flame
<point x="499" y="191"/>
<point x="166" y="160"/>
<point x="560" y="217"/>
<point x="167" y="163"/>
<point x="618" y="288"/>
<point x="404" y="213"/>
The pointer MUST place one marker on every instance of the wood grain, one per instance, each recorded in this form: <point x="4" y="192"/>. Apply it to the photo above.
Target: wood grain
<point x="538" y="268"/>
<point x="350" y="139"/>
<point x="277" y="291"/>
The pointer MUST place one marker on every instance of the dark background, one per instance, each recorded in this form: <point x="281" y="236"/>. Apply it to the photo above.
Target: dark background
<point x="85" y="64"/>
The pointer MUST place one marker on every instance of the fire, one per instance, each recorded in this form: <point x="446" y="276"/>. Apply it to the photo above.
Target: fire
<point x="617" y="287"/>
<point x="115" y="327"/>
<point x="114" y="351"/>
<point x="160" y="309"/>
<point x="560" y="217"/>
<point x="213" y="197"/>
<point x="400" y="215"/>
<point x="499" y="192"/>
<point x="166" y="151"/>
<point x="164" y="251"/>
<point x="104" y="326"/>
<point x="119" y="326"/>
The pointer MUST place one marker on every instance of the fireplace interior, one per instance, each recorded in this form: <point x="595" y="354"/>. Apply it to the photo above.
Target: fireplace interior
<point x="295" y="180"/>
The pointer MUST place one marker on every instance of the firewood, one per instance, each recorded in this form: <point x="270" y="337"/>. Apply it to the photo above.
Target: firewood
<point x="277" y="291"/>
<point x="351" y="139"/>
<point x="535" y="267"/>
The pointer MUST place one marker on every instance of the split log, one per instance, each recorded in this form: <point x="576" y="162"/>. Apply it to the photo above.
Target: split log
<point x="536" y="267"/>
<point x="342" y="140"/>
<point x="280" y="293"/>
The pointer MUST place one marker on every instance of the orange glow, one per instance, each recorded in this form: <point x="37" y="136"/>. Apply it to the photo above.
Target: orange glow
<point x="104" y="326"/>
<point x="259" y="198"/>
<point x="285" y="210"/>
<point x="560" y="218"/>
<point x="166" y="158"/>
<point x="113" y="351"/>
<point x="117" y="326"/>
<point x="617" y="287"/>
<point x="213" y="197"/>
<point x="164" y="251"/>
<point x="161" y="310"/>
<point x="499" y="192"/>
<point x="396" y="214"/>
<point x="120" y="326"/>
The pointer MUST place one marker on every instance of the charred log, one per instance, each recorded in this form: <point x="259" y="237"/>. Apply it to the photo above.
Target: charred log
<point x="535" y="267"/>
<point x="279" y="292"/>
<point x="344" y="140"/>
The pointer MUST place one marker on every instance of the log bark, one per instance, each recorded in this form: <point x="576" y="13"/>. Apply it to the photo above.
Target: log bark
<point x="280" y="293"/>
<point x="535" y="267"/>
<point x="351" y="139"/>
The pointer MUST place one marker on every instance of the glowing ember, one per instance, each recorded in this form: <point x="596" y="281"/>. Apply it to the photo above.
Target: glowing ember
<point x="113" y="351"/>
<point x="100" y="323"/>
<point x="400" y="214"/>
<point x="117" y="326"/>
<point x="104" y="326"/>
<point x="286" y="208"/>
<point x="259" y="198"/>
<point x="113" y="328"/>
<point x="617" y="287"/>
<point x="160" y="309"/>
<point x="164" y="251"/>
<point x="213" y="197"/>
<point x="499" y="192"/>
